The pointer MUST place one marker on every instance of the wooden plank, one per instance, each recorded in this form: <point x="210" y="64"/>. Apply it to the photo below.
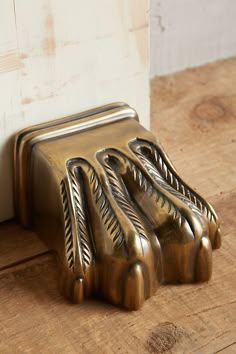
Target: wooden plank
<point x="179" y="318"/>
<point x="198" y="318"/>
<point x="18" y="244"/>
<point x="193" y="115"/>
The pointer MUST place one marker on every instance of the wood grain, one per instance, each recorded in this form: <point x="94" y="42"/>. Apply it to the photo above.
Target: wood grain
<point x="198" y="318"/>
<point x="18" y="244"/>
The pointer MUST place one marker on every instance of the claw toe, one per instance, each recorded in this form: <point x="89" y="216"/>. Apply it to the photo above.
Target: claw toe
<point x="78" y="296"/>
<point x="134" y="291"/>
<point x="204" y="260"/>
<point x="217" y="239"/>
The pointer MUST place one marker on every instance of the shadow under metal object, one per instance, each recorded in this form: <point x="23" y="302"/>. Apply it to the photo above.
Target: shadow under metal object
<point x="100" y="190"/>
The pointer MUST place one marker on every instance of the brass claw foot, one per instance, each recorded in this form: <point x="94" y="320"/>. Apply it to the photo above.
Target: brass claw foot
<point x="100" y="190"/>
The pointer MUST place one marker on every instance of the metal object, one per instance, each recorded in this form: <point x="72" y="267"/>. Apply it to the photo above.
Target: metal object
<point x="101" y="192"/>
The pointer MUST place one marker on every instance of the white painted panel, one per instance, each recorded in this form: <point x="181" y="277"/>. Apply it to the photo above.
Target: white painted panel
<point x="60" y="57"/>
<point x="189" y="33"/>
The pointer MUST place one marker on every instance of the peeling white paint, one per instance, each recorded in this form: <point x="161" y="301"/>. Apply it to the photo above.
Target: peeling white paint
<point x="64" y="57"/>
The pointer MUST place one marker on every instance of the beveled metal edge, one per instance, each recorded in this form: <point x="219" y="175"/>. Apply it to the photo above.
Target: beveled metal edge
<point x="71" y="118"/>
<point x="27" y="138"/>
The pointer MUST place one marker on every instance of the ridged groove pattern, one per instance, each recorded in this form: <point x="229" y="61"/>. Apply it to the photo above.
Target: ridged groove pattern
<point x="123" y="199"/>
<point x="80" y="216"/>
<point x="162" y="182"/>
<point x="143" y="184"/>
<point x="108" y="216"/>
<point x="171" y="179"/>
<point x="67" y="227"/>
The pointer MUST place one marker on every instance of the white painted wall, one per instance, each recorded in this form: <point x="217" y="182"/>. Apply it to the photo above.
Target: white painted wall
<point x="59" y="57"/>
<point x="188" y="33"/>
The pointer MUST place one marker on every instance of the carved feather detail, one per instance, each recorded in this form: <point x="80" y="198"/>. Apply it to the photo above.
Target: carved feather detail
<point x="108" y="216"/>
<point x="145" y="185"/>
<point x="150" y="190"/>
<point x="67" y="227"/>
<point x="162" y="182"/>
<point x="80" y="217"/>
<point x="162" y="172"/>
<point x="123" y="200"/>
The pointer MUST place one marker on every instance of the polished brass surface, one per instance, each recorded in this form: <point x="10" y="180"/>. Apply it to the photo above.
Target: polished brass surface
<point x="100" y="190"/>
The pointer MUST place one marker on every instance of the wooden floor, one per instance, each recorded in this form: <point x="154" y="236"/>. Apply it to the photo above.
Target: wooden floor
<point x="194" y="116"/>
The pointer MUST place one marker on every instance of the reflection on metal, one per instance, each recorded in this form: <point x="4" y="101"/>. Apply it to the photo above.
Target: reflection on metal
<point x="101" y="192"/>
